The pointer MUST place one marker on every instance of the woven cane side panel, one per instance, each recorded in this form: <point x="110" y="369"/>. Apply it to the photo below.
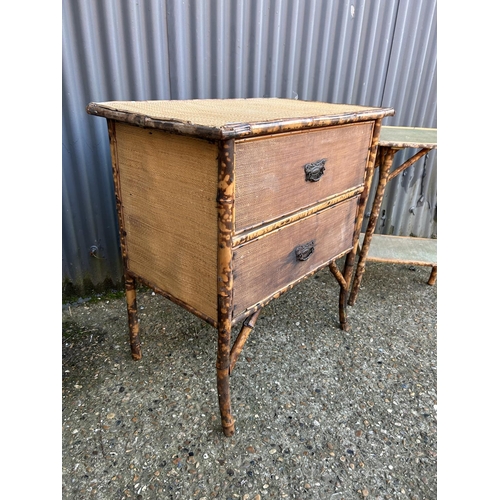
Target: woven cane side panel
<point x="168" y="191"/>
<point x="271" y="180"/>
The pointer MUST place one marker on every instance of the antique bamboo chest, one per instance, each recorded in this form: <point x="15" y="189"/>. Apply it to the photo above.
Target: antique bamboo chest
<point x="225" y="204"/>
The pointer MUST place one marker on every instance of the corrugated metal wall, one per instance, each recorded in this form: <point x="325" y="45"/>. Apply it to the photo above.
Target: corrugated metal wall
<point x="369" y="52"/>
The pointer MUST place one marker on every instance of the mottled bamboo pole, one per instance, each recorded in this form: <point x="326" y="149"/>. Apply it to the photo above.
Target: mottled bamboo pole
<point x="261" y="230"/>
<point x="225" y="207"/>
<point x="408" y="163"/>
<point x="338" y="275"/>
<point x="133" y="323"/>
<point x="343" y="289"/>
<point x="351" y="256"/>
<point x="386" y="159"/>
<point x="130" y="282"/>
<point x="433" y="276"/>
<point x="248" y="326"/>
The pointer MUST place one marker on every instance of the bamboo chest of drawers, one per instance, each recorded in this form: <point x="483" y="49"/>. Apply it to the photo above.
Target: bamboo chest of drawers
<point x="224" y="205"/>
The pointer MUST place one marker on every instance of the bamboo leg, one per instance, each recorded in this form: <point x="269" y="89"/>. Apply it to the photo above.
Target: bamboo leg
<point x="133" y="323"/>
<point x="344" y="325"/>
<point x="247" y="327"/>
<point x="223" y="363"/>
<point x="338" y="275"/>
<point x="225" y="205"/>
<point x="344" y="278"/>
<point x="343" y="294"/>
<point x="348" y="268"/>
<point x="387" y="156"/>
<point x="433" y="276"/>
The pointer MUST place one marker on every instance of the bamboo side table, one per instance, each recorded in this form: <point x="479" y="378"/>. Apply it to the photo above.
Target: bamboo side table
<point x="393" y="139"/>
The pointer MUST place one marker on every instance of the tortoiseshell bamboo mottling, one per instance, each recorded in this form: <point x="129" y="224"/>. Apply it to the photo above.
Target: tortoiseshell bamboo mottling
<point x="130" y="282"/>
<point x="386" y="158"/>
<point x="261" y="231"/>
<point x="133" y="323"/>
<point x="246" y="328"/>
<point x="349" y="261"/>
<point x="118" y="200"/>
<point x="255" y="129"/>
<point x="225" y="206"/>
<point x="338" y="275"/>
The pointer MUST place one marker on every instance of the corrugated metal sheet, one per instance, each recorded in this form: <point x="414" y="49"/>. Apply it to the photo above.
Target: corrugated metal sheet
<point x="410" y="202"/>
<point x="377" y="52"/>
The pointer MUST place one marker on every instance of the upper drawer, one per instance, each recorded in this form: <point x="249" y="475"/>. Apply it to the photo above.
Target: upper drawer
<point x="271" y="171"/>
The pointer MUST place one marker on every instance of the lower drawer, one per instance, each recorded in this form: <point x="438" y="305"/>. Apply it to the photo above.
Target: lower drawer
<point x="265" y="266"/>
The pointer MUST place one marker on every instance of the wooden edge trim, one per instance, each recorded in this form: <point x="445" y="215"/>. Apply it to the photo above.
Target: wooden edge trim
<point x="407" y="144"/>
<point x="408" y="262"/>
<point x="286" y="125"/>
<point x="246" y="140"/>
<point x="259" y="231"/>
<point x="143" y="121"/>
<point x="259" y="305"/>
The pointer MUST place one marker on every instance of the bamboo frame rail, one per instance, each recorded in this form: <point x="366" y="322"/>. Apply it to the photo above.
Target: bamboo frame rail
<point x="392" y="139"/>
<point x="246" y="329"/>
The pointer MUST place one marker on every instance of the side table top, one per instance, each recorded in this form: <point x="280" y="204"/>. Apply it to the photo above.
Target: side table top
<point x="230" y="118"/>
<point x="408" y="137"/>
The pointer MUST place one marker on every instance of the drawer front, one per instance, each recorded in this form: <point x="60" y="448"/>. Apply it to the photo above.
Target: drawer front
<point x="271" y="172"/>
<point x="264" y="266"/>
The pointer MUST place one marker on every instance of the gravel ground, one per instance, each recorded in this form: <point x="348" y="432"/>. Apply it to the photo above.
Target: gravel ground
<point x="320" y="413"/>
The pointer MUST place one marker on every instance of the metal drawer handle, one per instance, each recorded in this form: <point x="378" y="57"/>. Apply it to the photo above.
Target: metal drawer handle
<point x="315" y="170"/>
<point x="303" y="252"/>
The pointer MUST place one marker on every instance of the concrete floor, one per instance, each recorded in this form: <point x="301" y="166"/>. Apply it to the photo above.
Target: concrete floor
<point x="320" y="413"/>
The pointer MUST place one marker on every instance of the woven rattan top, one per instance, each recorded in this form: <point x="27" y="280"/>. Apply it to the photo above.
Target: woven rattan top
<point x="224" y="118"/>
<point x="408" y="137"/>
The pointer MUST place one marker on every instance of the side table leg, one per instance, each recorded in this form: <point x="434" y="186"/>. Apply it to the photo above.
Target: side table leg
<point x="133" y="323"/>
<point x="223" y="364"/>
<point x="433" y="276"/>
<point x="386" y="158"/>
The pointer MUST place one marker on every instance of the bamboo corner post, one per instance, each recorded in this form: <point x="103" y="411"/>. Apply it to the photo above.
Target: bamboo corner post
<point x="186" y="176"/>
<point x="392" y="140"/>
